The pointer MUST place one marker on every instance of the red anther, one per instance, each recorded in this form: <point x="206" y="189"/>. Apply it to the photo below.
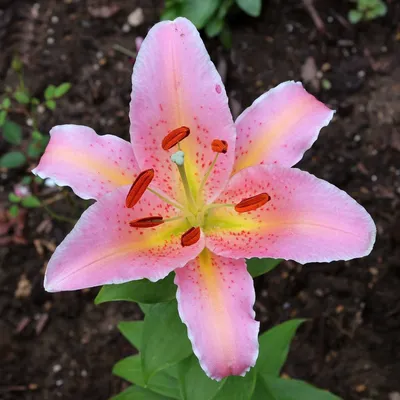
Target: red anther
<point x="190" y="237"/>
<point x="174" y="137"/>
<point x="219" y="146"/>
<point x="139" y="187"/>
<point x="252" y="203"/>
<point x="147" y="222"/>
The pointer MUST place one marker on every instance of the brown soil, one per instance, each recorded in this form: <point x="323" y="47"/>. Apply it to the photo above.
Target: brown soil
<point x="62" y="346"/>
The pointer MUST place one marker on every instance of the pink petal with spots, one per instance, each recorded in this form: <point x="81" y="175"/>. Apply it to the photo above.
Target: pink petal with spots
<point x="215" y="301"/>
<point x="175" y="84"/>
<point x="279" y="127"/>
<point x="306" y="220"/>
<point x="103" y="248"/>
<point x="90" y="164"/>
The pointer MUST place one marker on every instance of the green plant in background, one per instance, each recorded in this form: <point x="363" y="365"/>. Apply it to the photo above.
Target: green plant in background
<point x="166" y="367"/>
<point x="367" y="10"/>
<point x="210" y="14"/>
<point x="18" y="101"/>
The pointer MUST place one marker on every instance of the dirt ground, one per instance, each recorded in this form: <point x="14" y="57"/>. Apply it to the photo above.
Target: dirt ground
<point x="61" y="345"/>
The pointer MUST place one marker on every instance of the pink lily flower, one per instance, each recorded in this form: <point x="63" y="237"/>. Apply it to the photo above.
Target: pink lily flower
<point x="196" y="193"/>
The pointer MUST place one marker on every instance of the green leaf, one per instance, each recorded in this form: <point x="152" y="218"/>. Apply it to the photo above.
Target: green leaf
<point x="142" y="291"/>
<point x="13" y="198"/>
<point x="238" y="387"/>
<point x="226" y="37"/>
<point x="291" y="389"/>
<point x="37" y="146"/>
<point x="35" y="101"/>
<point x="355" y="16"/>
<point x="26" y="180"/>
<point x="192" y="377"/>
<point x="12" y="132"/>
<point x="274" y="347"/>
<point x="51" y="104"/>
<point x="6" y="103"/>
<point x="214" y="27"/>
<point x="16" y="64"/>
<point x="21" y="97"/>
<point x="260" y="391"/>
<point x="36" y="135"/>
<point x="199" y="11"/>
<point x="13" y="211"/>
<point x="49" y="92"/>
<point x="130" y="368"/>
<point x="251" y="7"/>
<point x="260" y="266"/>
<point x="13" y="159"/>
<point x="61" y="90"/>
<point x="31" y="202"/>
<point x="170" y="13"/>
<point x="165" y="341"/>
<point x="3" y="116"/>
<point x="133" y="332"/>
<point x="381" y="9"/>
<point x="138" y="393"/>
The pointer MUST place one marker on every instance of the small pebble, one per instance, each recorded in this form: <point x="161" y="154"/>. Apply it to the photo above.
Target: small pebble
<point x="84" y="373"/>
<point x="126" y="28"/>
<point x="59" y="382"/>
<point x="54" y="19"/>
<point x="374" y="178"/>
<point x="136" y="17"/>
<point x="50" y="40"/>
<point x="357" y="138"/>
<point x="57" y="368"/>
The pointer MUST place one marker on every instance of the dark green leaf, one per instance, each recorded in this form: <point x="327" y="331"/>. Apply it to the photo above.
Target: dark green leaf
<point x="13" y="198"/>
<point x="21" y="97"/>
<point x="6" y="103"/>
<point x="35" y="101"/>
<point x="142" y="291"/>
<point x="13" y="211"/>
<point x="49" y="92"/>
<point x="13" y="159"/>
<point x="260" y="391"/>
<point x="192" y="377"/>
<point x="130" y="368"/>
<point x="238" y="387"/>
<point x="138" y="393"/>
<point x="3" y="116"/>
<point x="61" y="90"/>
<point x="199" y="11"/>
<point x="170" y="13"/>
<point x="260" y="266"/>
<point x="37" y="146"/>
<point x="26" y="180"/>
<point x="12" y="132"/>
<point x="291" y="389"/>
<point x="51" y="104"/>
<point x="133" y="331"/>
<point x="36" y="135"/>
<point x="226" y="37"/>
<point x="355" y="16"/>
<point x="251" y="7"/>
<point x="16" y="64"/>
<point x="165" y="341"/>
<point x="30" y="202"/>
<point x="38" y="179"/>
<point x="274" y="347"/>
<point x="214" y="27"/>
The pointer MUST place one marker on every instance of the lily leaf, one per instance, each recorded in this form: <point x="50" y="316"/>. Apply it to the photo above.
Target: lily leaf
<point x="260" y="266"/>
<point x="142" y="291"/>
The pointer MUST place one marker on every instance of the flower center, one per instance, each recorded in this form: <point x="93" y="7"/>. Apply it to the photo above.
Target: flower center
<point x="195" y="210"/>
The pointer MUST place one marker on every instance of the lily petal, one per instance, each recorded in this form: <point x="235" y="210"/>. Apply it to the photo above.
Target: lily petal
<point x="306" y="220"/>
<point x="279" y="127"/>
<point x="175" y="84"/>
<point x="103" y="248"/>
<point x="215" y="301"/>
<point x="92" y="165"/>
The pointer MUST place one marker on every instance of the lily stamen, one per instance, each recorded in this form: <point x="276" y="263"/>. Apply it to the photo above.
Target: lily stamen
<point x="174" y="137"/>
<point x="252" y="203"/>
<point x="147" y="222"/>
<point x="190" y="237"/>
<point x="138" y="187"/>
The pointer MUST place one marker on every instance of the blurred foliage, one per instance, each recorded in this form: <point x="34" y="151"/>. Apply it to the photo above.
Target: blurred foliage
<point x="210" y="15"/>
<point x="14" y="103"/>
<point x="367" y="10"/>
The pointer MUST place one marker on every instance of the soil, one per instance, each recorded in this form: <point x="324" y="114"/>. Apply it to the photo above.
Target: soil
<point x="61" y="345"/>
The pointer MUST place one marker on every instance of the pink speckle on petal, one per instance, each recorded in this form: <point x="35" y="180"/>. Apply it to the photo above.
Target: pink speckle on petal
<point x="218" y="89"/>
